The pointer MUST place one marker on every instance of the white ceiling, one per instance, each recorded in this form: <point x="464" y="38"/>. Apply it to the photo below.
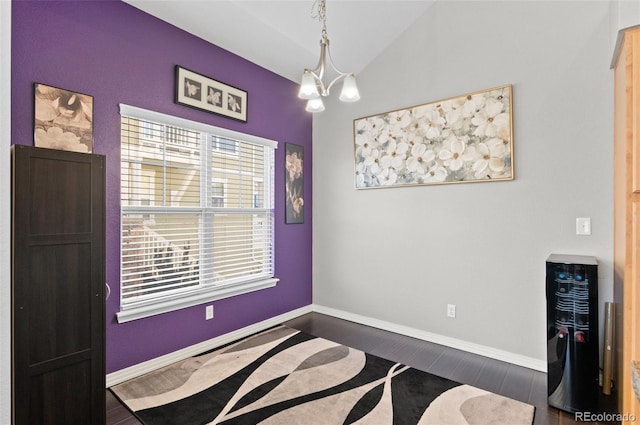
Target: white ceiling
<point x="283" y="36"/>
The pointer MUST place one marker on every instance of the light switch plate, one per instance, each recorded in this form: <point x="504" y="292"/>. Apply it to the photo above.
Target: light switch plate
<point x="583" y="226"/>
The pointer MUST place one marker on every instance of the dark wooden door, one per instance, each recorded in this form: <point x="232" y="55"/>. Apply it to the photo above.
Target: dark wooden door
<point x="58" y="287"/>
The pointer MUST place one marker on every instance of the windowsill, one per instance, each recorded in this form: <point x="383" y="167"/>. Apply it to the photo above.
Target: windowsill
<point x="189" y="300"/>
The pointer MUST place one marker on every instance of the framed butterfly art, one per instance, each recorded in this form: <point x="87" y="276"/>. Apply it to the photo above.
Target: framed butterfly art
<point x="201" y="92"/>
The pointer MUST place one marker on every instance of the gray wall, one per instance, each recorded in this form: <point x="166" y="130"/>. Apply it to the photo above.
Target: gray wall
<point x="624" y="14"/>
<point x="399" y="255"/>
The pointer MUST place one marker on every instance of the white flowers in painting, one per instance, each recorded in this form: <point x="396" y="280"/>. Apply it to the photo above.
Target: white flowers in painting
<point x="467" y="138"/>
<point x="57" y="138"/>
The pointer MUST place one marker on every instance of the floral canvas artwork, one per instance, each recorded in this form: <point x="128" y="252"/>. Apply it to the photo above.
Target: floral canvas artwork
<point x="294" y="183"/>
<point x="63" y="119"/>
<point x="461" y="139"/>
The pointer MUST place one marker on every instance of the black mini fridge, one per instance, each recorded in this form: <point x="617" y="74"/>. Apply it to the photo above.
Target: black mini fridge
<point x="572" y="332"/>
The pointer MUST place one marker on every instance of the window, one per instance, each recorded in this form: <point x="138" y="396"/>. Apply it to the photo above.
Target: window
<point x="197" y="213"/>
<point x="147" y="130"/>
<point x="218" y="190"/>
<point x="224" y="145"/>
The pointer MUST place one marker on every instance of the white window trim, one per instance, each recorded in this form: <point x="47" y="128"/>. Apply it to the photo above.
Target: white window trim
<point x="145" y="114"/>
<point x="141" y="310"/>
<point x="191" y="299"/>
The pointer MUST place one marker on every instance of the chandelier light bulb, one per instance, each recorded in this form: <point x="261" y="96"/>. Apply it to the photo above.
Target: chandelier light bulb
<point x="349" y="91"/>
<point x="315" y="105"/>
<point x="308" y="87"/>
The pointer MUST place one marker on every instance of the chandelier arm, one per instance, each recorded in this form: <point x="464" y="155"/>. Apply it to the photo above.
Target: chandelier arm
<point x="319" y="71"/>
<point x="335" y="80"/>
<point x="328" y="55"/>
<point x="341" y="74"/>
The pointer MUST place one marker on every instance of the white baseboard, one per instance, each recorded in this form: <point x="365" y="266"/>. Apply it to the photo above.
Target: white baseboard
<point x="140" y="369"/>
<point x="162" y="361"/>
<point x="482" y="350"/>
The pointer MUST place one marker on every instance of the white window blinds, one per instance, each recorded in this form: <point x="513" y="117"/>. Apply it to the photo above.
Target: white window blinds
<point x="197" y="208"/>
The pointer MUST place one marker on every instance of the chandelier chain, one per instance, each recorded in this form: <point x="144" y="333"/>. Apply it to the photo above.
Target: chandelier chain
<point x="322" y="15"/>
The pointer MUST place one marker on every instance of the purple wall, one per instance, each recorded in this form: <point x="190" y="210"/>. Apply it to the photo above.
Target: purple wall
<point x="119" y="54"/>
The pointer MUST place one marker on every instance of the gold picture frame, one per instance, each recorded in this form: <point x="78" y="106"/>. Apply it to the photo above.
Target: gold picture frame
<point x="467" y="138"/>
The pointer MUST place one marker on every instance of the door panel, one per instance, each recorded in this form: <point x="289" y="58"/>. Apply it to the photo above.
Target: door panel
<point x="48" y="214"/>
<point x="62" y="296"/>
<point x="45" y="407"/>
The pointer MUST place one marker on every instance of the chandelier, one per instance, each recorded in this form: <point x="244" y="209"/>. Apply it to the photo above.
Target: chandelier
<point x="314" y="82"/>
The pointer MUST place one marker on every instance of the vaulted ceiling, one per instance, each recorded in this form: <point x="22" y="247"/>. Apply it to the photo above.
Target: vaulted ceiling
<point x="284" y="36"/>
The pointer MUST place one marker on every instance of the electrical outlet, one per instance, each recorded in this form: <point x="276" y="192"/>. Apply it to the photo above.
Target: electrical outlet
<point x="451" y="310"/>
<point x="209" y="312"/>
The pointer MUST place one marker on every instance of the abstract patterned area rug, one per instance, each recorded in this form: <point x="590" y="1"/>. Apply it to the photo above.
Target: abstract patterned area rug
<point x="283" y="376"/>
